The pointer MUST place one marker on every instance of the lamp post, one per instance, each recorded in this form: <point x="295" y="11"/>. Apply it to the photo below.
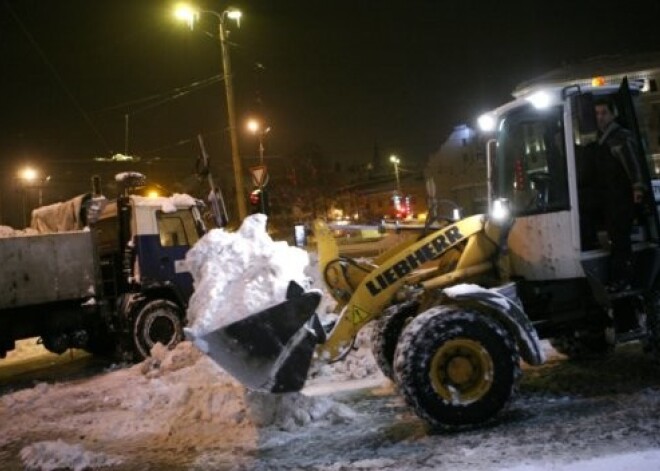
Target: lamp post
<point x="188" y="14"/>
<point x="255" y="128"/>
<point x="396" y="161"/>
<point x="258" y="130"/>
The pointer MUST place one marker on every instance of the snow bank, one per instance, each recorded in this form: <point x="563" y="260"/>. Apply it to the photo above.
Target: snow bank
<point x="55" y="455"/>
<point x="237" y="274"/>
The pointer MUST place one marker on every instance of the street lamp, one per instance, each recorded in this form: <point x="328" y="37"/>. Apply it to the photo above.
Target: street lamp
<point x="255" y="128"/>
<point x="190" y="16"/>
<point x="30" y="177"/>
<point x="396" y="161"/>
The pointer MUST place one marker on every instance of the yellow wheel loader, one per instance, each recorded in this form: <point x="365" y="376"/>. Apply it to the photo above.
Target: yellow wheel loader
<point x="457" y="308"/>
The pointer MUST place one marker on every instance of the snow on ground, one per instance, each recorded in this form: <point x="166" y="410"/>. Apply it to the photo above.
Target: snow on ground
<point x="54" y="455"/>
<point x="176" y="400"/>
<point x="178" y="410"/>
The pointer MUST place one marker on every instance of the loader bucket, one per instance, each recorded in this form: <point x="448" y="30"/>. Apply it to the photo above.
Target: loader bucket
<point x="271" y="350"/>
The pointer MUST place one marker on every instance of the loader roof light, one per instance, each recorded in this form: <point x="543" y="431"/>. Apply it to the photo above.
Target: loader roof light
<point x="500" y="210"/>
<point x="598" y="81"/>
<point x="486" y="122"/>
<point x="540" y="100"/>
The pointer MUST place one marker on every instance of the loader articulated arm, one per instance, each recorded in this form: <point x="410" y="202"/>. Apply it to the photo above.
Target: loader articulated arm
<point x="377" y="288"/>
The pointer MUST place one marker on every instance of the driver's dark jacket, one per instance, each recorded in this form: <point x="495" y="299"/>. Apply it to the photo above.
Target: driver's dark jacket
<point x="620" y="143"/>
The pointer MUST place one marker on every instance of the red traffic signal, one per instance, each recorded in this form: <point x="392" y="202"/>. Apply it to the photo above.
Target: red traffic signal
<point x="255" y="197"/>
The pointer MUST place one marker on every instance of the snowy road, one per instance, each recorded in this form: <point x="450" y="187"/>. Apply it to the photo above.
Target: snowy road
<point x="133" y="419"/>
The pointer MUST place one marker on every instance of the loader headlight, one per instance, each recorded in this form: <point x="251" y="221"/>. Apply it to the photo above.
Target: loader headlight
<point x="540" y="100"/>
<point x="500" y="211"/>
<point x="486" y="122"/>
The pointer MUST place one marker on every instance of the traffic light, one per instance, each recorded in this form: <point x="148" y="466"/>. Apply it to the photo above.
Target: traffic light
<point x="259" y="201"/>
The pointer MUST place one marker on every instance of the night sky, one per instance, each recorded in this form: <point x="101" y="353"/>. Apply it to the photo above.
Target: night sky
<point x="343" y="75"/>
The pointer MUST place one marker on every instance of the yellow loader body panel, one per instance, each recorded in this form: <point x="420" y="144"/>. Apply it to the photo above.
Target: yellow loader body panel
<point x="378" y="286"/>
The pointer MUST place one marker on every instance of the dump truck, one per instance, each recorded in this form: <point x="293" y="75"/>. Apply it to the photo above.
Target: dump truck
<point x="107" y="276"/>
<point x="457" y="309"/>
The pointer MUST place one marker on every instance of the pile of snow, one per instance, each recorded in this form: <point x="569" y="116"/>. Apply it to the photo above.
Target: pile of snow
<point x="358" y="364"/>
<point x="190" y="384"/>
<point x="238" y="274"/>
<point x="53" y="455"/>
<point x="176" y="399"/>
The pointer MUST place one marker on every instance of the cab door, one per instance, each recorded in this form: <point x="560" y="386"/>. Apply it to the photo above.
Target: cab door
<point x="162" y="255"/>
<point x="531" y="171"/>
<point x="647" y="214"/>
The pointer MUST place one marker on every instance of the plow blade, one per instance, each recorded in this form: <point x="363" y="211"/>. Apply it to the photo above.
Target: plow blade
<point x="271" y="350"/>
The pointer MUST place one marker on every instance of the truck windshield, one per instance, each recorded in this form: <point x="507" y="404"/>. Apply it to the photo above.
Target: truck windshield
<point x="530" y="161"/>
<point x="177" y="229"/>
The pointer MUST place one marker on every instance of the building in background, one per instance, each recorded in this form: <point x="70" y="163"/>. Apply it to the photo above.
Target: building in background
<point x="458" y="169"/>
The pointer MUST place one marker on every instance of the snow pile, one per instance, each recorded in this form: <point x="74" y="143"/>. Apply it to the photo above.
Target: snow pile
<point x="289" y="411"/>
<point x="237" y="274"/>
<point x="176" y="400"/>
<point x="358" y="364"/>
<point x="187" y="382"/>
<point x="54" y="455"/>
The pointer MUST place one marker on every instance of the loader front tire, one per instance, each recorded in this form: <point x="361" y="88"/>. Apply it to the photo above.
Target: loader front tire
<point x="157" y="321"/>
<point x="386" y="333"/>
<point x="456" y="368"/>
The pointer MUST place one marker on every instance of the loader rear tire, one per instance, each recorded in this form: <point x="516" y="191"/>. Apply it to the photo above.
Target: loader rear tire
<point x="456" y="368"/>
<point x="158" y="321"/>
<point x="386" y="333"/>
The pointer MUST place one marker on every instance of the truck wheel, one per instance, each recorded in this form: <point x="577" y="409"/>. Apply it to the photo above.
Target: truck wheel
<point x="386" y="333"/>
<point x="456" y="368"/>
<point x="588" y="345"/>
<point x="157" y="321"/>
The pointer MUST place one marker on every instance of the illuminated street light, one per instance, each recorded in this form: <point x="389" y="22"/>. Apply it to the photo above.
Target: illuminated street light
<point x="396" y="161"/>
<point x="30" y="178"/>
<point x="190" y="15"/>
<point x="28" y="174"/>
<point x="255" y="128"/>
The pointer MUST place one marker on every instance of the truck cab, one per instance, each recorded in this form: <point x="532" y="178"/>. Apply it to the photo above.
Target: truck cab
<point x="142" y="244"/>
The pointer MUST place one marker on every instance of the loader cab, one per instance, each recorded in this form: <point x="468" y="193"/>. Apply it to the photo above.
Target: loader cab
<point x="541" y="143"/>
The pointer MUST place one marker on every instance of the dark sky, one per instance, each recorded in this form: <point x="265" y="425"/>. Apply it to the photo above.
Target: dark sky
<point x="342" y="74"/>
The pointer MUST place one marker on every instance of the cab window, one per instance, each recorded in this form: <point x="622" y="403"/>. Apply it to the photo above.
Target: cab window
<point x="530" y="164"/>
<point x="177" y="229"/>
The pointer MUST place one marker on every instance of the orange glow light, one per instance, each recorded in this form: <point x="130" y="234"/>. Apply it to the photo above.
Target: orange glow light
<point x="598" y="81"/>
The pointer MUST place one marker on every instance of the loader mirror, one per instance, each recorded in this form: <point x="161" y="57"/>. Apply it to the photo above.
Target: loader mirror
<point x="586" y="116"/>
